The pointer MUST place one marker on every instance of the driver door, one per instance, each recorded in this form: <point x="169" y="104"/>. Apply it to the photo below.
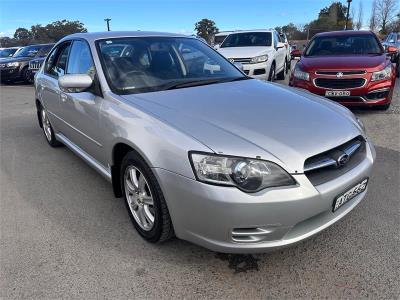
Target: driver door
<point x="81" y="109"/>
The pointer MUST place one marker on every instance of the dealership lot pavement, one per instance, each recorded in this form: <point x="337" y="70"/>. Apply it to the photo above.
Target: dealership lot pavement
<point x="62" y="234"/>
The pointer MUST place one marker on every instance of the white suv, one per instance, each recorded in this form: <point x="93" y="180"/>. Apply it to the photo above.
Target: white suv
<point x="261" y="53"/>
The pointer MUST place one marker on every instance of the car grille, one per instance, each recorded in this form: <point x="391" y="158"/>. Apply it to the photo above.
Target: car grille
<point x="344" y="73"/>
<point x="345" y="99"/>
<point x="325" y="166"/>
<point x="35" y="65"/>
<point x="241" y="60"/>
<point x="340" y="84"/>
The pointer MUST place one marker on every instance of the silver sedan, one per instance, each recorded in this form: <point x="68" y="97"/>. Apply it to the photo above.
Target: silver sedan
<point x="197" y="149"/>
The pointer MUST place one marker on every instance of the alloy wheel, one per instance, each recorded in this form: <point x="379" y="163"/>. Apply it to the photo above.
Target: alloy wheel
<point x="46" y="125"/>
<point x="139" y="198"/>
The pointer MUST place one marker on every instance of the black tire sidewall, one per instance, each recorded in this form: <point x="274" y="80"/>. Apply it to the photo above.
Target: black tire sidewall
<point x="271" y="72"/>
<point x="131" y="159"/>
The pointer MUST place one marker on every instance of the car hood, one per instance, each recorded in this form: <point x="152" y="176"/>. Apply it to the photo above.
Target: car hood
<point x="244" y="52"/>
<point x="370" y="63"/>
<point x="250" y="118"/>
<point x="16" y="59"/>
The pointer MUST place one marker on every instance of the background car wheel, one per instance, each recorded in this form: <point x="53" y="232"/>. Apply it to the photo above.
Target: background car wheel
<point x="271" y="76"/>
<point x="282" y="74"/>
<point x="144" y="200"/>
<point x="47" y="129"/>
<point x="25" y="75"/>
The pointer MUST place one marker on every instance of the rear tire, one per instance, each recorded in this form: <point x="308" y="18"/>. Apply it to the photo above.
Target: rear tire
<point x="47" y="128"/>
<point x="144" y="200"/>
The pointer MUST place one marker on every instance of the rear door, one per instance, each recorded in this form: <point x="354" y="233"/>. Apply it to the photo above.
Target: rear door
<point x="81" y="109"/>
<point x="55" y="67"/>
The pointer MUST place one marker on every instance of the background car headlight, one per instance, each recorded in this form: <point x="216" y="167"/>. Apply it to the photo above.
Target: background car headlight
<point x="386" y="73"/>
<point x="259" y="59"/>
<point x="361" y="124"/>
<point x="249" y="175"/>
<point x="12" y="64"/>
<point x="299" y="74"/>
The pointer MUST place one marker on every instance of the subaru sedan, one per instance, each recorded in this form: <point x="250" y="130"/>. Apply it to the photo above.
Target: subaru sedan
<point x="197" y="149"/>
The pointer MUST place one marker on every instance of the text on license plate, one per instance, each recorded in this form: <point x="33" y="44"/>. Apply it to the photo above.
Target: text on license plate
<point x="337" y="93"/>
<point x="350" y="194"/>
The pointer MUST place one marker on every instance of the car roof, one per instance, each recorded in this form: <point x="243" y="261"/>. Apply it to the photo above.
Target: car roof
<point x="345" y="32"/>
<point x="93" y="36"/>
<point x="254" y="30"/>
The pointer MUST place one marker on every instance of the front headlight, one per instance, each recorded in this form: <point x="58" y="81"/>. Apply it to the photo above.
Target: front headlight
<point x="12" y="64"/>
<point x="361" y="124"/>
<point x="386" y="73"/>
<point x="249" y="175"/>
<point x="299" y="74"/>
<point x="259" y="59"/>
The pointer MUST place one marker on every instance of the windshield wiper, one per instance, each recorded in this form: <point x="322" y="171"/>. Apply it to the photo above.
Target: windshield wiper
<point x="191" y="83"/>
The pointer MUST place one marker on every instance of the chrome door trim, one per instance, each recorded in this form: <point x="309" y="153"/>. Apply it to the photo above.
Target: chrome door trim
<point x="86" y="157"/>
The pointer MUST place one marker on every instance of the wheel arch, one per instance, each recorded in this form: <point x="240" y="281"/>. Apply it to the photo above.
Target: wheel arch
<point x="38" y="107"/>
<point x="119" y="150"/>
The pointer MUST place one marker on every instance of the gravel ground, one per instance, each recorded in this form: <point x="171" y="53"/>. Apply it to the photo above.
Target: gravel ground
<point x="63" y="235"/>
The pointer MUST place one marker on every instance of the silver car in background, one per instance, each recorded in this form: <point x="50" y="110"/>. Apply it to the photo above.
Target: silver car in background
<point x="196" y="148"/>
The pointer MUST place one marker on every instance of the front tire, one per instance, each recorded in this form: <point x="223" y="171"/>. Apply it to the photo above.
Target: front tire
<point x="282" y="74"/>
<point x="25" y="75"/>
<point x="271" y="76"/>
<point x="144" y="200"/>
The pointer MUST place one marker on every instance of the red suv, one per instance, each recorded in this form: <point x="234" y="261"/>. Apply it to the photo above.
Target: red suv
<point x="350" y="67"/>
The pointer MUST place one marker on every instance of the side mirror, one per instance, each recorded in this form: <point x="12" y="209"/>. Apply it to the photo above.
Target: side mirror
<point x="280" y="45"/>
<point x="391" y="50"/>
<point x="295" y="54"/>
<point x="239" y="66"/>
<point x="75" y="83"/>
<point x="217" y="46"/>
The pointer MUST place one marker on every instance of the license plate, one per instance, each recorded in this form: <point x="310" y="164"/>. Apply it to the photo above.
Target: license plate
<point x="337" y="93"/>
<point x="350" y="194"/>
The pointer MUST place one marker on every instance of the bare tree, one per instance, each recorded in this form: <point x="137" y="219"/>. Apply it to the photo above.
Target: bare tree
<point x="373" y="22"/>
<point x="359" y="21"/>
<point x="386" y="10"/>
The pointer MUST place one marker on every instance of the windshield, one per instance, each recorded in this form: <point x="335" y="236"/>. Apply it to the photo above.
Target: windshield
<point x="218" y="39"/>
<point x="248" y="39"/>
<point x="344" y="45"/>
<point x="146" y="64"/>
<point x="44" y="50"/>
<point x="8" y="52"/>
<point x="29" y="51"/>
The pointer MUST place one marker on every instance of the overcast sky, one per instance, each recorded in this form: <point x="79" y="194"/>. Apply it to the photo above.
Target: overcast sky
<point x="163" y="15"/>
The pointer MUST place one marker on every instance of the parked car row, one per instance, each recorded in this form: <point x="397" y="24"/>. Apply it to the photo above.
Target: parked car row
<point x="16" y="66"/>
<point x="349" y="67"/>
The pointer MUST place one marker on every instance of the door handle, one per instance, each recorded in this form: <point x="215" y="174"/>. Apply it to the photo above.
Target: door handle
<point x="64" y="97"/>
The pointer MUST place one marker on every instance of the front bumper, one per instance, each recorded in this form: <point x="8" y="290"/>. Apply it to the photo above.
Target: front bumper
<point x="225" y="219"/>
<point x="258" y="71"/>
<point x="372" y="94"/>
<point x="9" y="73"/>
